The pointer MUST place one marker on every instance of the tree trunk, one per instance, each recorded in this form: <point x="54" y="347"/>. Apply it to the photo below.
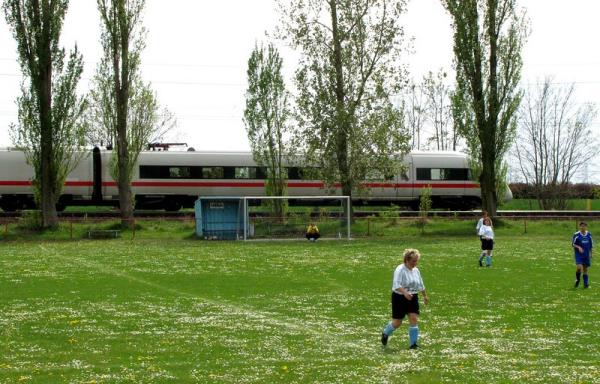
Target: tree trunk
<point x="47" y="166"/>
<point x="342" y="119"/>
<point x="122" y="82"/>
<point x="123" y="177"/>
<point x="489" y="199"/>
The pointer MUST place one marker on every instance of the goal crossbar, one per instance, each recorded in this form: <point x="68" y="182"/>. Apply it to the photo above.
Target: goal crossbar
<point x="342" y="199"/>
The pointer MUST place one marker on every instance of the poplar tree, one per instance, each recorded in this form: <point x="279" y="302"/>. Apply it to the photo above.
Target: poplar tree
<point x="122" y="92"/>
<point x="49" y="109"/>
<point x="488" y="40"/>
<point x="266" y="119"/>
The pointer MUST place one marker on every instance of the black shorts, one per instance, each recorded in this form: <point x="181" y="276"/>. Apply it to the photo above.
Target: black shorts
<point x="401" y="306"/>
<point x="487" y="245"/>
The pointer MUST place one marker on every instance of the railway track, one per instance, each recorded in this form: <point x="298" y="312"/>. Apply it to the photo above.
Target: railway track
<point x="357" y="213"/>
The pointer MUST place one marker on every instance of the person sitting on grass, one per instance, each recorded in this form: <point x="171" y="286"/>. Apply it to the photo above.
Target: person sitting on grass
<point x="582" y="243"/>
<point x="312" y="232"/>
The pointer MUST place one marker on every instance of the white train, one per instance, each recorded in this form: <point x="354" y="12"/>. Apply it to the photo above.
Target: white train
<point x="171" y="180"/>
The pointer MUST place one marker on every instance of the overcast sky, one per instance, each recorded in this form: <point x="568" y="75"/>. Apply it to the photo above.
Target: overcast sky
<point x="197" y="52"/>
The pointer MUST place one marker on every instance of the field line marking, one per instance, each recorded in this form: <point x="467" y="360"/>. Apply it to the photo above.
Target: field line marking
<point x="235" y="309"/>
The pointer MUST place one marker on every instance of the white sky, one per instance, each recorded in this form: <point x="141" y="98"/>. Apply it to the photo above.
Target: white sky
<point x="197" y="52"/>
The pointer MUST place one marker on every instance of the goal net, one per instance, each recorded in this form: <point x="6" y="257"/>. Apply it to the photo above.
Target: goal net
<point x="276" y="217"/>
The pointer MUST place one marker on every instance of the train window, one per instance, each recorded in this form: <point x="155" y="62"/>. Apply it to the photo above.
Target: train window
<point x="245" y="172"/>
<point x="229" y="172"/>
<point x="293" y="173"/>
<point x="456" y="174"/>
<point x="213" y="173"/>
<point x="179" y="173"/>
<point x="309" y="173"/>
<point x="423" y="174"/>
<point x="154" y="172"/>
<point x="436" y="174"/>
<point x="261" y="173"/>
<point x="442" y="174"/>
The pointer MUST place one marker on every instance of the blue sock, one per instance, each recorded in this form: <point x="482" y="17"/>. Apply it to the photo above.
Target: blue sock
<point x="413" y="334"/>
<point x="389" y="329"/>
<point x="488" y="260"/>
<point x="585" y="280"/>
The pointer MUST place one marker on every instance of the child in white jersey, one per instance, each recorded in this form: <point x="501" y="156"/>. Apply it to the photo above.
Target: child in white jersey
<point x="484" y="215"/>
<point x="406" y="286"/>
<point x="486" y="233"/>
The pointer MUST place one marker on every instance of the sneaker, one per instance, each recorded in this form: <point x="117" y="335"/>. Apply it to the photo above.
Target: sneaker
<point x="480" y="263"/>
<point x="414" y="346"/>
<point x="577" y="283"/>
<point x="586" y="286"/>
<point x="384" y="339"/>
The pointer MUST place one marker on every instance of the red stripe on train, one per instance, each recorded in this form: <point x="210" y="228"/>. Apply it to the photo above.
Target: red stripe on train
<point x="21" y="183"/>
<point x="196" y="184"/>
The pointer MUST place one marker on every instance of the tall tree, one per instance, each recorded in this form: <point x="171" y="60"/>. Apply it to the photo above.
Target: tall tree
<point x="438" y="93"/>
<point x="554" y="141"/>
<point x="49" y="108"/>
<point x="158" y="122"/>
<point x="414" y="105"/>
<point x="122" y="41"/>
<point x="488" y="39"/>
<point x="266" y="118"/>
<point x="348" y="71"/>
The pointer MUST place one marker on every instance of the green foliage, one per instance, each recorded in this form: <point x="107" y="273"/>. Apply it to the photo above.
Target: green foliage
<point x="31" y="220"/>
<point x="348" y="72"/>
<point x="488" y="40"/>
<point x="50" y="129"/>
<point x="266" y="119"/>
<point x="390" y="213"/>
<point x="129" y="109"/>
<point x="425" y="201"/>
<point x="424" y="207"/>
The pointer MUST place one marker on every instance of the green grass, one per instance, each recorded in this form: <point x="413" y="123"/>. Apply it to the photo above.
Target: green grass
<point x="170" y="309"/>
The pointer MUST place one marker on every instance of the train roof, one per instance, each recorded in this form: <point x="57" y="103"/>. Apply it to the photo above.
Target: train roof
<point x="224" y="153"/>
<point x="438" y="153"/>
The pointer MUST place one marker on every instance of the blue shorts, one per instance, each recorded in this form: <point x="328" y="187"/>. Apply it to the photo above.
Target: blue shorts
<point x="583" y="260"/>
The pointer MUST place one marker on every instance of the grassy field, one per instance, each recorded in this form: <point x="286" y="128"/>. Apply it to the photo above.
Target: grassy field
<point x="172" y="309"/>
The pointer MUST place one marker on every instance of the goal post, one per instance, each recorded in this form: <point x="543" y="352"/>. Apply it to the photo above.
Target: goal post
<point x="262" y="221"/>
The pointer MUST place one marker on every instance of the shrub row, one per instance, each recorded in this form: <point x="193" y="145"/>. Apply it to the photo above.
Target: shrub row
<point x="570" y="191"/>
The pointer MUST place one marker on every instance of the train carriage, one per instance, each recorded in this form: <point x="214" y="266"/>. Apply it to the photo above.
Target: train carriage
<point x="174" y="179"/>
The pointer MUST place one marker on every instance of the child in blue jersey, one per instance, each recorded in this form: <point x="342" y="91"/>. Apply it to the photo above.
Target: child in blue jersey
<point x="582" y="243"/>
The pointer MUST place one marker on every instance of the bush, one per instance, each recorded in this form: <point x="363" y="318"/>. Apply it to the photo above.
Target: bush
<point x="568" y="191"/>
<point x="31" y="220"/>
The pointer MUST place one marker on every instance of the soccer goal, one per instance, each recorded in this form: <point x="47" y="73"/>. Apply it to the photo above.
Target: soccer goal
<point x="288" y="217"/>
